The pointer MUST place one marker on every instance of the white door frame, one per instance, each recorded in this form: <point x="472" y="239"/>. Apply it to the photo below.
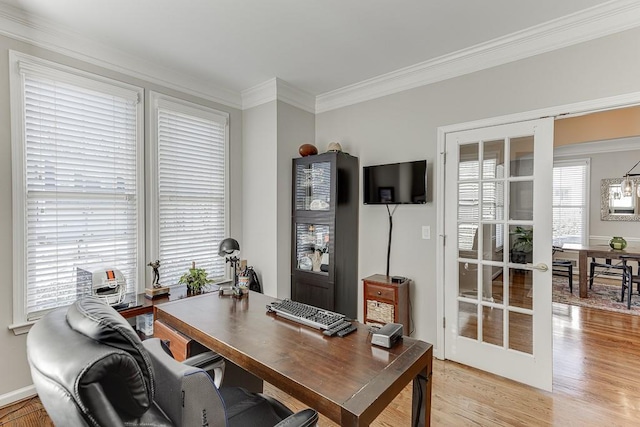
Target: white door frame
<point x="585" y="107"/>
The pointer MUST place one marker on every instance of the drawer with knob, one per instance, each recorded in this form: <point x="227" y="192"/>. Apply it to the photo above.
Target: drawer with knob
<point x="379" y="292"/>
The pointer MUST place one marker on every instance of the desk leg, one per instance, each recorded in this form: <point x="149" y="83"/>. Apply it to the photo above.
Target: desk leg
<point x="582" y="273"/>
<point x="235" y="376"/>
<point x="421" y="399"/>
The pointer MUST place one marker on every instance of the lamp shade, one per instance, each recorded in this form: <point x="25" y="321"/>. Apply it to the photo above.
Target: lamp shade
<point x="228" y="247"/>
<point x="626" y="186"/>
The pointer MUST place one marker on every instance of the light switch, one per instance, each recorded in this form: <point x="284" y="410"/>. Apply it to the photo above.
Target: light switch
<point x="426" y="232"/>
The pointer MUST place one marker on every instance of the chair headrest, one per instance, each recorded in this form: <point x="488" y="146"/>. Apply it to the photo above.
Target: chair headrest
<point x="92" y="317"/>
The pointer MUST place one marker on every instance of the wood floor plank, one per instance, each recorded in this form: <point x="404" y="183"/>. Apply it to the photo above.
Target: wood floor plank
<point x="596" y="382"/>
<point x="26" y="413"/>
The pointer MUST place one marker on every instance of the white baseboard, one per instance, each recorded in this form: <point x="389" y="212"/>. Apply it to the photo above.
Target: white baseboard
<point x="17" y="395"/>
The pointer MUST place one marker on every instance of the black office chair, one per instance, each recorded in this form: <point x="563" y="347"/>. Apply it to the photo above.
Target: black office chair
<point x="607" y="266"/>
<point x="563" y="268"/>
<point x="90" y="368"/>
<point x="628" y="278"/>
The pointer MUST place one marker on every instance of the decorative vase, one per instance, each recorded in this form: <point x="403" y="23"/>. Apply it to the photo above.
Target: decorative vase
<point x="617" y="242"/>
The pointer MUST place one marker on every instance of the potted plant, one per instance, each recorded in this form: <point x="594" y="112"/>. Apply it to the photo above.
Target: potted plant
<point x="195" y="279"/>
<point x="522" y="246"/>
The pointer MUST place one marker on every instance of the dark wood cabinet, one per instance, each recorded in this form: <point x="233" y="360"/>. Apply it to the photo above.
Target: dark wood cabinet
<point x="386" y="301"/>
<point x="324" y="255"/>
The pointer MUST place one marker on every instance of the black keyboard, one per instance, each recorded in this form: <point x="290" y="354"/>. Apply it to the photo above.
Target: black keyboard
<point x="306" y="314"/>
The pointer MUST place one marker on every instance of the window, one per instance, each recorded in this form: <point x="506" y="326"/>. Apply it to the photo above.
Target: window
<point x="570" y="201"/>
<point x="191" y="191"/>
<point x="77" y="194"/>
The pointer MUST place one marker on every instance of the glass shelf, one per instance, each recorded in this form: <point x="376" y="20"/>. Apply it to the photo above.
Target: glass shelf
<point x="313" y="186"/>
<point x="312" y="247"/>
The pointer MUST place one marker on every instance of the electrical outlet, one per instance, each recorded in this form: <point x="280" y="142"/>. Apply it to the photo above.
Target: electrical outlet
<point x="426" y="232"/>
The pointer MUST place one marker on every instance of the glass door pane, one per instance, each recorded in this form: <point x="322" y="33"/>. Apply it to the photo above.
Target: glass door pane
<point x="312" y="247"/>
<point x="313" y="186"/>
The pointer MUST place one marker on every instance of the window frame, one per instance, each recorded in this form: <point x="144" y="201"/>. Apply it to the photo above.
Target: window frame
<point x="19" y="63"/>
<point x="156" y="101"/>
<point x="587" y="190"/>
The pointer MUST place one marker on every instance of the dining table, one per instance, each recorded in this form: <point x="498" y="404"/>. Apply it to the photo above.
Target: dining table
<point x="595" y="251"/>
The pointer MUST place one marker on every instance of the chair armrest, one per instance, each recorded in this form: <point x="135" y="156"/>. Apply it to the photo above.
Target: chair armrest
<point x="211" y="362"/>
<point x="100" y="407"/>
<point x="305" y="418"/>
<point x="183" y="392"/>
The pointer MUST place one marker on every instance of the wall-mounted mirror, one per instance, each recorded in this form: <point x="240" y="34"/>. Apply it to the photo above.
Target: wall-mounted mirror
<point x="615" y="206"/>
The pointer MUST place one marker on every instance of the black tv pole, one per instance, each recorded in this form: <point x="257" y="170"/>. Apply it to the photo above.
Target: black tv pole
<point x="390" y="233"/>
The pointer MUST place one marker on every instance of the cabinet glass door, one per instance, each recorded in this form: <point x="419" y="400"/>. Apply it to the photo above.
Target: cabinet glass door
<point x="313" y="186"/>
<point x="312" y="247"/>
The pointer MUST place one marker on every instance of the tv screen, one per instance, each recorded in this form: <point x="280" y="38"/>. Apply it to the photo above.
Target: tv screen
<point x="395" y="183"/>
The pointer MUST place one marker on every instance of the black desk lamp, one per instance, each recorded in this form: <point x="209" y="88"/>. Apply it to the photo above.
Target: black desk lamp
<point x="229" y="249"/>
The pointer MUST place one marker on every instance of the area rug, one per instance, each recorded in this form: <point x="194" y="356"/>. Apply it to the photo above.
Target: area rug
<point x="602" y="296"/>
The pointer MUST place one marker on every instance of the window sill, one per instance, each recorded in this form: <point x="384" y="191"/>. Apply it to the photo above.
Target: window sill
<point x="21" y="328"/>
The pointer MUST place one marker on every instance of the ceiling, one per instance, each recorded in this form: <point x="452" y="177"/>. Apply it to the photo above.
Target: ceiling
<point x="317" y="46"/>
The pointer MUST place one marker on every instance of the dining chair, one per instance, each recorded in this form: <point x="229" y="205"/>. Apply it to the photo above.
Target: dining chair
<point x="607" y="266"/>
<point x="628" y="278"/>
<point x="563" y="268"/>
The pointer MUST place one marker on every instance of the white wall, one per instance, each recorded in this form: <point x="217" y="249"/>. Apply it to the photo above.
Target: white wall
<point x="295" y="127"/>
<point x="610" y="165"/>
<point x="403" y="127"/>
<point x="14" y="370"/>
<point x="259" y="193"/>
<point x="272" y="134"/>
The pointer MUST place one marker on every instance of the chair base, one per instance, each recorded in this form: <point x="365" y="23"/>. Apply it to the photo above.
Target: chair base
<point x="564" y="269"/>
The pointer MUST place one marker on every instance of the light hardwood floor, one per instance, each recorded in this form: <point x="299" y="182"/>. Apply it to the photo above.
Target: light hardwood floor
<point x="596" y="383"/>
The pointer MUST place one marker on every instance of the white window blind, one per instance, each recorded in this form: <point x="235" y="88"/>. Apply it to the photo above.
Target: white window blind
<point x="191" y="188"/>
<point x="570" y="204"/>
<point x="468" y="203"/>
<point x="81" y="189"/>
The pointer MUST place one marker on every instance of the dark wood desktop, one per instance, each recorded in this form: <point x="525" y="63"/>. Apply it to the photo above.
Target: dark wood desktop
<point x="139" y="304"/>
<point x="347" y="379"/>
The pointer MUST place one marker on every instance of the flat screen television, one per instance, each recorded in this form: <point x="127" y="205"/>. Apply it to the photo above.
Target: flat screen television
<point x="395" y="183"/>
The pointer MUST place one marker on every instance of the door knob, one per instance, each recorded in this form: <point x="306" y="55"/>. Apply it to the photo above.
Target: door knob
<point x="541" y="266"/>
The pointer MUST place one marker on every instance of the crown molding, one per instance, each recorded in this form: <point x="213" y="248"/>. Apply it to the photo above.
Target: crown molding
<point x="598" y="147"/>
<point x="39" y="32"/>
<point x="598" y="21"/>
<point x="259" y="94"/>
<point x="296" y="97"/>
<point x="277" y="89"/>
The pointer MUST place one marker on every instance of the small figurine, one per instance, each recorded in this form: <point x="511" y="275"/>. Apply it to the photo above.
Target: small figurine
<point x="156" y="290"/>
<point x="156" y="274"/>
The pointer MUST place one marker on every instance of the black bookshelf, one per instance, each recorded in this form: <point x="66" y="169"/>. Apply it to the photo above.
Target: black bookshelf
<point x="324" y="238"/>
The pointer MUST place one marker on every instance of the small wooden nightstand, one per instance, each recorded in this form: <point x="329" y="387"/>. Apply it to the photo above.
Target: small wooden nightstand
<point x="386" y="302"/>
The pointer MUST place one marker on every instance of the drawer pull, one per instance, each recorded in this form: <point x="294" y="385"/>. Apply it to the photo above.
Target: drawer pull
<point x="379" y="293"/>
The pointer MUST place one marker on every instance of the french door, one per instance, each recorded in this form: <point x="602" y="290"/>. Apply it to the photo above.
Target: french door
<point x="498" y="183"/>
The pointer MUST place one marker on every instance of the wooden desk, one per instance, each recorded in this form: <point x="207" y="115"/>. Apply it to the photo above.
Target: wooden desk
<point x="136" y="305"/>
<point x="597" y="251"/>
<point x="347" y="379"/>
